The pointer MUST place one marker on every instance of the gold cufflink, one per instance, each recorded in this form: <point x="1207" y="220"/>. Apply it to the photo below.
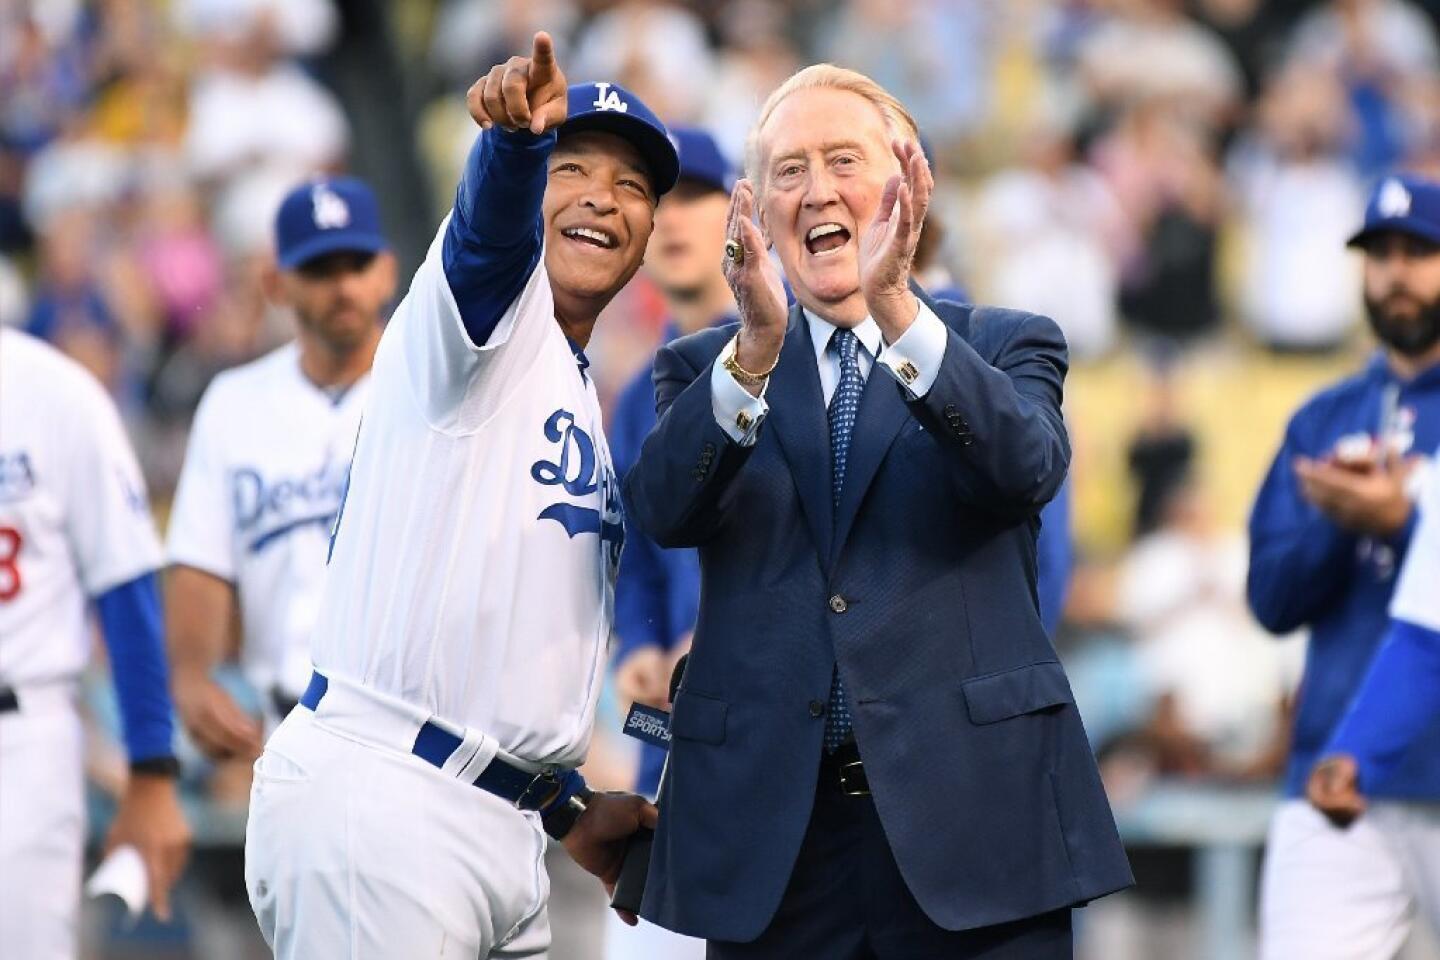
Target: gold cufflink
<point x="908" y="373"/>
<point x="743" y="421"/>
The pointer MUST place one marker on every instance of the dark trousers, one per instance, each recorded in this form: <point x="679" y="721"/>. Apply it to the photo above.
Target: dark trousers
<point x="846" y="900"/>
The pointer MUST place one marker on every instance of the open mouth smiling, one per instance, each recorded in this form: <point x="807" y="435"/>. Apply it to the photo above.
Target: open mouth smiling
<point x="826" y="238"/>
<point x="591" y="236"/>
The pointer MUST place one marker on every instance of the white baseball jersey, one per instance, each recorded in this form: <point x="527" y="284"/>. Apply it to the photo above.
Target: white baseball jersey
<point x="1417" y="592"/>
<point x="74" y="519"/>
<point x="263" y="477"/>
<point x="473" y="564"/>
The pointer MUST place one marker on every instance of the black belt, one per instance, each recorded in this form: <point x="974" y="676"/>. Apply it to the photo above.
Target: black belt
<point x="9" y="702"/>
<point x="434" y="744"/>
<point x="844" y="771"/>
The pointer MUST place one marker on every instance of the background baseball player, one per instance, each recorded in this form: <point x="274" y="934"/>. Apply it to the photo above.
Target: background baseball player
<point x="266" y="465"/>
<point x="468" y="600"/>
<point x="1329" y="529"/>
<point x="75" y="528"/>
<point x="658" y="591"/>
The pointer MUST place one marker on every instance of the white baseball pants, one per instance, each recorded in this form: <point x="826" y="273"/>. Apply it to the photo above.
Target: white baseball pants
<point x="356" y="848"/>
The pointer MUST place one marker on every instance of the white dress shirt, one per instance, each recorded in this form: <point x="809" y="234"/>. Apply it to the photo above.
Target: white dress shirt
<point x="914" y="360"/>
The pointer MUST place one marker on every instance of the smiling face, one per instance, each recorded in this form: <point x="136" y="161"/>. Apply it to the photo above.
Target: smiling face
<point x="824" y="157"/>
<point x="598" y="212"/>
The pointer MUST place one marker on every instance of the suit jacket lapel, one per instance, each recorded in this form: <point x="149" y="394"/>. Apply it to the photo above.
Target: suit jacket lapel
<point x="877" y="423"/>
<point x="797" y="415"/>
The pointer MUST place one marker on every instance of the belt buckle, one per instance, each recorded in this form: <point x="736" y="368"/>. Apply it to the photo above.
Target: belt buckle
<point x="545" y="777"/>
<point x="854" y="770"/>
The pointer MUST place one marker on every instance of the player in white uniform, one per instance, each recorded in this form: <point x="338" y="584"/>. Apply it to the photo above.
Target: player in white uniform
<point x="266" y="466"/>
<point x="462" y="632"/>
<point x="75" y="527"/>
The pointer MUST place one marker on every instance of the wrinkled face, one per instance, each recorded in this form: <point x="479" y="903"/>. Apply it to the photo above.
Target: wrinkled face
<point x="824" y="158"/>
<point x="689" y="240"/>
<point x="338" y="297"/>
<point x="598" y="212"/>
<point x="1402" y="291"/>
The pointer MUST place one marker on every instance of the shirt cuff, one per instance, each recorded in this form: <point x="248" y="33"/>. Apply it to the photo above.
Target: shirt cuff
<point x="738" y="413"/>
<point x="915" y="358"/>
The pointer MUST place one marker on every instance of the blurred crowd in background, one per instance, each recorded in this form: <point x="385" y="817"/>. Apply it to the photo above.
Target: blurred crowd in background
<point x="1171" y="180"/>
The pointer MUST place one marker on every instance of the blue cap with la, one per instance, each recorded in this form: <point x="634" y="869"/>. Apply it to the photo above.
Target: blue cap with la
<point x="613" y="109"/>
<point x="701" y="158"/>
<point x="1402" y="203"/>
<point x="327" y="215"/>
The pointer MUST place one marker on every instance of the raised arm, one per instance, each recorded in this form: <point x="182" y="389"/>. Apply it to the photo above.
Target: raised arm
<point x="494" y="237"/>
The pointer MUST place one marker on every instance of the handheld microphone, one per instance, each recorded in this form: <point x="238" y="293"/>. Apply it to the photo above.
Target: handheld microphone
<point x="630" y="886"/>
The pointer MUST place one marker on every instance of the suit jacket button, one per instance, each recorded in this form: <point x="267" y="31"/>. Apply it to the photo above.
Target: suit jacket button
<point x="950" y="411"/>
<point x="838" y="604"/>
<point x="817" y="709"/>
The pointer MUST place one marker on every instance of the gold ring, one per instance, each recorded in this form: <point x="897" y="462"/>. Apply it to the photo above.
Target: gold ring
<point x="734" y="252"/>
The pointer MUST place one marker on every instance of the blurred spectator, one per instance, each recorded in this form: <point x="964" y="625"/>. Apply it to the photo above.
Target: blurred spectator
<point x="1148" y="50"/>
<point x="250" y="107"/>
<point x="1299" y="196"/>
<point x="1162" y="171"/>
<point x="943" y="78"/>
<point x="1380" y="50"/>
<point x="1181" y="590"/>
<point x="295" y="28"/>
<point x="1049" y="238"/>
<point x="14" y="299"/>
<point x="755" y="58"/>
<point x="70" y="309"/>
<point x="656" y="49"/>
<point x="469" y="33"/>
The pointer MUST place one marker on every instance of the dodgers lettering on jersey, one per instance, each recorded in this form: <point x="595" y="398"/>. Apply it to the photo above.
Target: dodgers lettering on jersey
<point x="263" y="479"/>
<point x="473" y="563"/>
<point x="74" y="519"/>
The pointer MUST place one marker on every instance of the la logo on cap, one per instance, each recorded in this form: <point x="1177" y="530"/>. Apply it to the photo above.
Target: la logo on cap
<point x="607" y="99"/>
<point x="1394" y="200"/>
<point x="329" y="210"/>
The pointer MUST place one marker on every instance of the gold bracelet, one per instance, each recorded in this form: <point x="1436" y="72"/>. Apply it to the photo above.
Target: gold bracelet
<point x="744" y="377"/>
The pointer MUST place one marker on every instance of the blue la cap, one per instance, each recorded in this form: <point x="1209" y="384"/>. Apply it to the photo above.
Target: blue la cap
<point x="612" y="108"/>
<point x="701" y="159"/>
<point x="1404" y="203"/>
<point x="327" y="215"/>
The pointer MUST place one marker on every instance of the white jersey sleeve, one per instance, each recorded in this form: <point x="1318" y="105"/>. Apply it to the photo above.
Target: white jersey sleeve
<point x="445" y="366"/>
<point x="109" y="524"/>
<point x="201" y="530"/>
<point x="1417" y="594"/>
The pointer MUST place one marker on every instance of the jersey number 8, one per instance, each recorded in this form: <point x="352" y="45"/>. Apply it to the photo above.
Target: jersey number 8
<point x="10" y="544"/>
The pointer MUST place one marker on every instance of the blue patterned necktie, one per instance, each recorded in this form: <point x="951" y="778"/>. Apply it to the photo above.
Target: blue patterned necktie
<point x="843" y="407"/>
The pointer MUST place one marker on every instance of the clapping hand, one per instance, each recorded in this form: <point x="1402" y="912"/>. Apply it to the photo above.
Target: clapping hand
<point x="887" y="247"/>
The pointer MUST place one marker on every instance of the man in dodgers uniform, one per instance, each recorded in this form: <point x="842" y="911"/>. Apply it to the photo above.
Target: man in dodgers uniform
<point x="266" y="465"/>
<point x="75" y="527"/>
<point x="461" y="639"/>
<point x="1331" y="525"/>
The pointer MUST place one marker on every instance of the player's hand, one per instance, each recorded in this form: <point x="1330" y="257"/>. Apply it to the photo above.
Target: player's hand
<point x="1334" y="789"/>
<point x="149" y="819"/>
<point x="523" y="93"/>
<point x="1367" y="498"/>
<point x="887" y="247"/>
<point x="759" y="294"/>
<point x="597" y="841"/>
<point x="214" y="720"/>
<point x="642" y="678"/>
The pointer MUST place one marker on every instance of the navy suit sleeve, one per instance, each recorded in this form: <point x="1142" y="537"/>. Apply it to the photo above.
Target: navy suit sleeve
<point x="1398" y="699"/>
<point x="1054" y="558"/>
<point x="494" y="238"/>
<point x="1299" y="559"/>
<point x="130" y="620"/>
<point x="677" y="491"/>
<point x="1000" y="421"/>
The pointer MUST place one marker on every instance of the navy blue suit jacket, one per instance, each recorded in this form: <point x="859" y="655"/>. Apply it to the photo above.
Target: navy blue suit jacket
<point x="975" y="754"/>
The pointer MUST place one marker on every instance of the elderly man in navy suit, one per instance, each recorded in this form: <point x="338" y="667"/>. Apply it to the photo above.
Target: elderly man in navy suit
<point x="875" y="753"/>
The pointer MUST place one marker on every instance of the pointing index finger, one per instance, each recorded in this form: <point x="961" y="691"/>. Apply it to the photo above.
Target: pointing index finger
<point x="542" y="57"/>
